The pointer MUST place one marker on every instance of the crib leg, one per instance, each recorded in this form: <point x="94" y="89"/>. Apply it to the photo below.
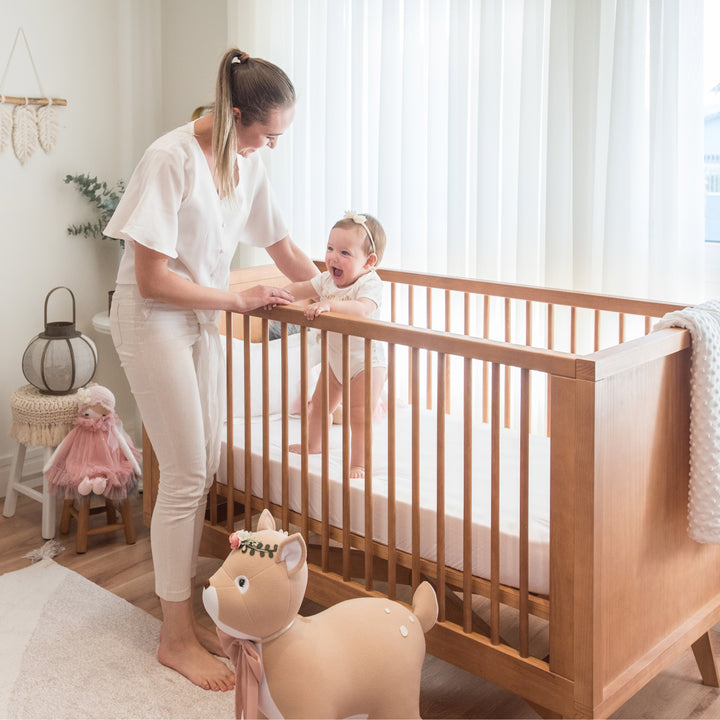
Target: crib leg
<point x="705" y="659"/>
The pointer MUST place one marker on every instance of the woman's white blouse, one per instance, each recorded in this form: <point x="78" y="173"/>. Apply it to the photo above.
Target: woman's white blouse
<point x="171" y="205"/>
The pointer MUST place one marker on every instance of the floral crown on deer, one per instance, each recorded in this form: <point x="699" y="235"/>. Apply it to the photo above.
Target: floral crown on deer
<point x="246" y="542"/>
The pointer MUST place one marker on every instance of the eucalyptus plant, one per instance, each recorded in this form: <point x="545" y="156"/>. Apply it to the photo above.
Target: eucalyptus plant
<point x="103" y="197"/>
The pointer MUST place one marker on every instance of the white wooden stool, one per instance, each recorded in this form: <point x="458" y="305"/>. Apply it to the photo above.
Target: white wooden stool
<point x="38" y="420"/>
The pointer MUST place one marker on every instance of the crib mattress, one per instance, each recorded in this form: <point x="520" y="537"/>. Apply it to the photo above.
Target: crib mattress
<point x="539" y="490"/>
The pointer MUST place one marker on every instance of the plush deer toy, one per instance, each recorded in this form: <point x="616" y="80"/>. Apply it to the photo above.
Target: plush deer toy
<point x="360" y="657"/>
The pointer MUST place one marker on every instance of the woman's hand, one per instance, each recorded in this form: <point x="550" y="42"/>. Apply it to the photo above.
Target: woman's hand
<point x="263" y="296"/>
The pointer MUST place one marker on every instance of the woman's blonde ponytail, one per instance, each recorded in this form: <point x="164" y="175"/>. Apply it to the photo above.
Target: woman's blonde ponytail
<point x="255" y="87"/>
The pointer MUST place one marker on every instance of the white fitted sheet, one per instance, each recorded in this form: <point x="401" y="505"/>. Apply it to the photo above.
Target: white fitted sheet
<point x="539" y="493"/>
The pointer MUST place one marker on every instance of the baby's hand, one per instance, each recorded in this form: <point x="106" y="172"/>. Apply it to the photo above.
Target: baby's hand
<point x="317" y="308"/>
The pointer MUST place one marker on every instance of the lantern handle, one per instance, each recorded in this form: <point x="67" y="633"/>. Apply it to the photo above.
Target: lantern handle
<point x="47" y="297"/>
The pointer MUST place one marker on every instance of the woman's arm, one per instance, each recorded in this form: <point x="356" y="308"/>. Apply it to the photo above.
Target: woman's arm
<point x="156" y="280"/>
<point x="291" y="261"/>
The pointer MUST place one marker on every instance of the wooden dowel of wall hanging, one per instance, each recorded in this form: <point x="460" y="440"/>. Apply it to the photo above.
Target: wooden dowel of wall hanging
<point x="33" y="101"/>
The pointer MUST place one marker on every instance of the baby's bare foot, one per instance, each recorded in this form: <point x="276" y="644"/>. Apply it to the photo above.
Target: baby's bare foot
<point x="193" y="661"/>
<point x="357" y="471"/>
<point x="298" y="450"/>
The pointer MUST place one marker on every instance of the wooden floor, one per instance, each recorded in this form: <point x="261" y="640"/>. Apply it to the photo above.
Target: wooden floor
<point x="447" y="692"/>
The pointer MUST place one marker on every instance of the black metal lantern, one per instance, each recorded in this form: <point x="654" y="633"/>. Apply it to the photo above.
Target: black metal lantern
<point x="60" y="359"/>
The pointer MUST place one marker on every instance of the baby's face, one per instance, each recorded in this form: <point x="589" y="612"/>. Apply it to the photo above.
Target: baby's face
<point x="345" y="255"/>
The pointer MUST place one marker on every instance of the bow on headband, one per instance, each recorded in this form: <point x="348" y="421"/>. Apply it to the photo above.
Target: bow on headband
<point x="361" y="220"/>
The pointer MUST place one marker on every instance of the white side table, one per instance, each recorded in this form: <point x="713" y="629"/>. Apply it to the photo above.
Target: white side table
<point x="101" y="322"/>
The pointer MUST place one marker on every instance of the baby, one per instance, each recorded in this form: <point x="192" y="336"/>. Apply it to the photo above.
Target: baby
<point x="350" y="286"/>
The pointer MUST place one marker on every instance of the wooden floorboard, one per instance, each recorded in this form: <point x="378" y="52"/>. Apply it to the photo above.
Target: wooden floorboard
<point x="447" y="692"/>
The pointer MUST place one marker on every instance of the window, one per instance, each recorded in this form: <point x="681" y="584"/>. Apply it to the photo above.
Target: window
<point x="711" y="87"/>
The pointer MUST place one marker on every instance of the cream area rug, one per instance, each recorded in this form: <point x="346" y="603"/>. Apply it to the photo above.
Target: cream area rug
<point x="70" y="649"/>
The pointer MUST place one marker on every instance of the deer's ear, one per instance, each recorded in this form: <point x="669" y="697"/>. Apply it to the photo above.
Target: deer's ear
<point x="266" y="521"/>
<point x="292" y="552"/>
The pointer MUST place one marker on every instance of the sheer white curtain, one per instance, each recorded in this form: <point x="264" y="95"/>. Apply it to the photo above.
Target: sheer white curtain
<point x="539" y="141"/>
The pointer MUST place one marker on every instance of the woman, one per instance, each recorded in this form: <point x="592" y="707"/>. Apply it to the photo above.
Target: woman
<point x="196" y="192"/>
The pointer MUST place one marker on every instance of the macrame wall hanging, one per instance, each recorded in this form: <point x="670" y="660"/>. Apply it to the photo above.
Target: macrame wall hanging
<point x="27" y="122"/>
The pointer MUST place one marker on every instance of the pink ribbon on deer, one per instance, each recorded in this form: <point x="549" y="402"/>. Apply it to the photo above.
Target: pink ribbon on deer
<point x="248" y="673"/>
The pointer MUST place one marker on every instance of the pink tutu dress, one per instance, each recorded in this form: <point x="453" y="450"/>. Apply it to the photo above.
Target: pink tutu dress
<point x="97" y="456"/>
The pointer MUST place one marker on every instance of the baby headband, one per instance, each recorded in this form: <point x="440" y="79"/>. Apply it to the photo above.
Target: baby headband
<point x="361" y="220"/>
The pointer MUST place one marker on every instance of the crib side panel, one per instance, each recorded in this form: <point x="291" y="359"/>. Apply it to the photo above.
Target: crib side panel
<point x="653" y="590"/>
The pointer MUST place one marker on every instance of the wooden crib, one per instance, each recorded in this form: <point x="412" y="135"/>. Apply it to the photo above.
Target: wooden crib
<point x="519" y="388"/>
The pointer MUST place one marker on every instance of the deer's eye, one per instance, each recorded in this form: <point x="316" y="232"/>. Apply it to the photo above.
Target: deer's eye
<point x="242" y="583"/>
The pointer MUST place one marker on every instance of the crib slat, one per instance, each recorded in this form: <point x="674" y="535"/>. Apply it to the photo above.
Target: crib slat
<point x="523" y="562"/>
<point x="550" y="326"/>
<point x="325" y="457"/>
<point x="448" y="327"/>
<point x="550" y="345"/>
<point x="415" y="470"/>
<point x="369" y="553"/>
<point x="596" y="330"/>
<point x="346" y="454"/>
<point x="448" y="313"/>
<point x="495" y="508"/>
<point x="303" y="431"/>
<point x="392" y="529"/>
<point x="466" y="314"/>
<point x="467" y="498"/>
<point x="440" y="514"/>
<point x="411" y="322"/>
<point x="247" y="397"/>
<point x="285" y="408"/>
<point x="508" y="338"/>
<point x="266" y="412"/>
<point x="229" y="427"/>
<point x="428" y="354"/>
<point x="528" y="322"/>
<point x="486" y="367"/>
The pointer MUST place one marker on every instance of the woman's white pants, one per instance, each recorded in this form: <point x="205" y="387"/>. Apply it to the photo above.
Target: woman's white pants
<point x="158" y="349"/>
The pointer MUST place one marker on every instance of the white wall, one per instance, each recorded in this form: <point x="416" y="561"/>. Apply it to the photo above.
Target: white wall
<point x="129" y="70"/>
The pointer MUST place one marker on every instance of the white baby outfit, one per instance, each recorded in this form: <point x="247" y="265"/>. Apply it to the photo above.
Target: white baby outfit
<point x="368" y="286"/>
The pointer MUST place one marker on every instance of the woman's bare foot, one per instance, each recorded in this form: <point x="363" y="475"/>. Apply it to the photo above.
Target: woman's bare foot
<point x="209" y="640"/>
<point x="357" y="471"/>
<point x="191" y="659"/>
<point x="181" y="650"/>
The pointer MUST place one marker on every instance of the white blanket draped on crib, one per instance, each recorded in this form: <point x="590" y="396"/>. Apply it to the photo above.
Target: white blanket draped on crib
<point x="703" y="322"/>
